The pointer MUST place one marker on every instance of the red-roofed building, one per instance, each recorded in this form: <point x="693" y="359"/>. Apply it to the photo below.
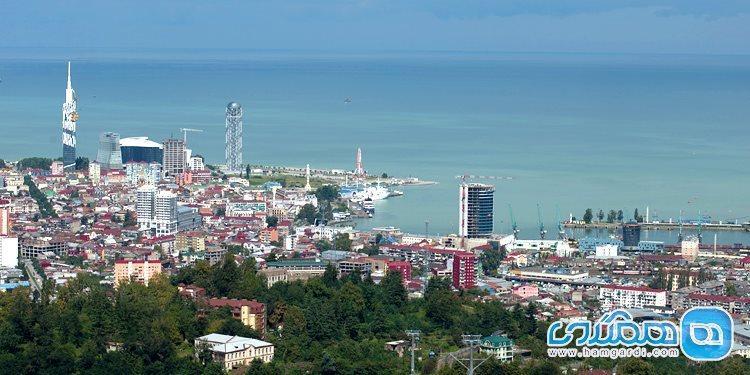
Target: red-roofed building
<point x="250" y="312"/>
<point x="402" y="267"/>
<point x="464" y="270"/>
<point x="732" y="304"/>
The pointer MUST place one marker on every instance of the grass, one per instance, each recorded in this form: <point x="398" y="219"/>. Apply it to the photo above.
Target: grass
<point x="287" y="180"/>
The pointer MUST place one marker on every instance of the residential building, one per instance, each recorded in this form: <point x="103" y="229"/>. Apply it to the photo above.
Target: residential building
<point x="250" y="312"/>
<point x="732" y="304"/>
<point x="235" y="351"/>
<point x="57" y="168"/>
<point x="402" y="267"/>
<point x="174" y="157"/>
<point x="156" y="211"/>
<point x="95" y="173"/>
<point x="196" y="164"/>
<point x="476" y="210"/>
<point x="464" y="270"/>
<point x="32" y="248"/>
<point x="629" y="297"/>
<point x="5" y="221"/>
<point x="138" y="173"/>
<point x="690" y="247"/>
<point x="274" y="275"/>
<point x="140" y="271"/>
<point x="8" y="252"/>
<point x="194" y="241"/>
<point x="501" y="347"/>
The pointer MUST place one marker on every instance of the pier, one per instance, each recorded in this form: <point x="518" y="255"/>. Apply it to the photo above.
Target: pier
<point x="715" y="226"/>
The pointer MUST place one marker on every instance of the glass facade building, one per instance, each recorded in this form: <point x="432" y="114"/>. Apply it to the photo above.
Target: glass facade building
<point x="141" y="150"/>
<point x="476" y="210"/>
<point x="109" y="156"/>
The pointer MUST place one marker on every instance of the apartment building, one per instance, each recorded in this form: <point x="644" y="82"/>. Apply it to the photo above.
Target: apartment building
<point x="615" y="296"/>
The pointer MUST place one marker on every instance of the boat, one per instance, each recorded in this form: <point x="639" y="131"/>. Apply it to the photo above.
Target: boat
<point x="369" y="206"/>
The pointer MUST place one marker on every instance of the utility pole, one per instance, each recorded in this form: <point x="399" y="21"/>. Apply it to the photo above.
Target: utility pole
<point x="414" y="334"/>
<point x="471" y="341"/>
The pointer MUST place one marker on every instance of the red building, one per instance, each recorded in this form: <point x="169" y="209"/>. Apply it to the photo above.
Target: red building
<point x="464" y="270"/>
<point x="402" y="267"/>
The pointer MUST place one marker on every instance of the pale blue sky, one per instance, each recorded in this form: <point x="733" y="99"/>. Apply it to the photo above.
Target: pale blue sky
<point x="647" y="26"/>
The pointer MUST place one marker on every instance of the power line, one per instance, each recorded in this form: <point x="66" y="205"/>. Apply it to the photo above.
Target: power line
<point x="471" y="341"/>
<point x="414" y="334"/>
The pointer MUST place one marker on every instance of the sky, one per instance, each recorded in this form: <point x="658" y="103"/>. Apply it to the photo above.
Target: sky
<point x="596" y="26"/>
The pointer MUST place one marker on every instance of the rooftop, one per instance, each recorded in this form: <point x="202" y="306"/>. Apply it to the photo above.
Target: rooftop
<point x="139" y="142"/>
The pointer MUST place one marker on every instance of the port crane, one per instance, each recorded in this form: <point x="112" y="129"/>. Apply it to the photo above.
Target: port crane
<point x="186" y="130"/>
<point x="542" y="231"/>
<point x="513" y="223"/>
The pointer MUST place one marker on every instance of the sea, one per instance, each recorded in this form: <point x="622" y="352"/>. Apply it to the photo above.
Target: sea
<point x="556" y="133"/>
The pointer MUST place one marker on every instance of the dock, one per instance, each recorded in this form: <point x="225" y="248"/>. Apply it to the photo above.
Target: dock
<point x="714" y="226"/>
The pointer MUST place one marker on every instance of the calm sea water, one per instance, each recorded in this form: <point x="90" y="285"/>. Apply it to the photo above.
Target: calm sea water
<point x="573" y="130"/>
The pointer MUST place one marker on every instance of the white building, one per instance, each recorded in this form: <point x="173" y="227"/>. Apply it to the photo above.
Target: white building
<point x="234" y="351"/>
<point x="614" y="296"/>
<point x="195" y="163"/>
<point x="95" y="173"/>
<point x="57" y="168"/>
<point x="156" y="211"/>
<point x="606" y="251"/>
<point x="8" y="252"/>
<point x="245" y="209"/>
<point x="142" y="173"/>
<point x="690" y="247"/>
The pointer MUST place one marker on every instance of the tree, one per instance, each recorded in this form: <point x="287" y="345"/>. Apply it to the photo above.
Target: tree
<point x="441" y="307"/>
<point x="635" y="366"/>
<point x="129" y="220"/>
<point x="82" y="163"/>
<point x="730" y="289"/>
<point x="600" y="215"/>
<point x="393" y="287"/>
<point x="327" y="193"/>
<point x="342" y="242"/>
<point x="620" y="216"/>
<point x="307" y="213"/>
<point x="272" y="221"/>
<point x="611" y="216"/>
<point x="588" y="216"/>
<point x="638" y="218"/>
<point x="247" y="171"/>
<point x="491" y="260"/>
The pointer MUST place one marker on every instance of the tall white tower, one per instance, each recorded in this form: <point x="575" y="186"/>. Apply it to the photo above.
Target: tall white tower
<point x="307" y="178"/>
<point x="69" y="118"/>
<point x="233" y="142"/>
<point x="359" y="170"/>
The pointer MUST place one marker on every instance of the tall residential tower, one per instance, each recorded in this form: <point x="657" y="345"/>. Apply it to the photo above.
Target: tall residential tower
<point x="69" y="118"/>
<point x="475" y="210"/>
<point x="109" y="155"/>
<point x="233" y="145"/>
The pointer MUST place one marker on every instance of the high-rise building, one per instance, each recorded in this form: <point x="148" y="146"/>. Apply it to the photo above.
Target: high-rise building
<point x="464" y="270"/>
<point x="69" y="119"/>
<point x="475" y="210"/>
<point x="109" y="156"/>
<point x="140" y="271"/>
<point x="141" y="150"/>
<point x="95" y="173"/>
<point x="156" y="211"/>
<point x="8" y="252"/>
<point x="233" y="145"/>
<point x="5" y="223"/>
<point x="631" y="236"/>
<point x="142" y="173"/>
<point x="174" y="156"/>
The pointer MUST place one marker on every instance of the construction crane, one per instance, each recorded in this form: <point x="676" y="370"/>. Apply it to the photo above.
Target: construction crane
<point x="186" y="130"/>
<point x="542" y="231"/>
<point x="513" y="223"/>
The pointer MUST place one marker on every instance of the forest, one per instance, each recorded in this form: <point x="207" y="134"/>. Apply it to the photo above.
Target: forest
<point x="326" y="325"/>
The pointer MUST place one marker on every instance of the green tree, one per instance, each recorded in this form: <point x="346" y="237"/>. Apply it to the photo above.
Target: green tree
<point x="307" y="214"/>
<point x="600" y="215"/>
<point x="730" y="289"/>
<point x="272" y="221"/>
<point x="327" y="193"/>
<point x="588" y="216"/>
<point x="393" y="289"/>
<point x="491" y="260"/>
<point x="342" y="242"/>
<point x="620" y="215"/>
<point x="441" y="305"/>
<point x="635" y="366"/>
